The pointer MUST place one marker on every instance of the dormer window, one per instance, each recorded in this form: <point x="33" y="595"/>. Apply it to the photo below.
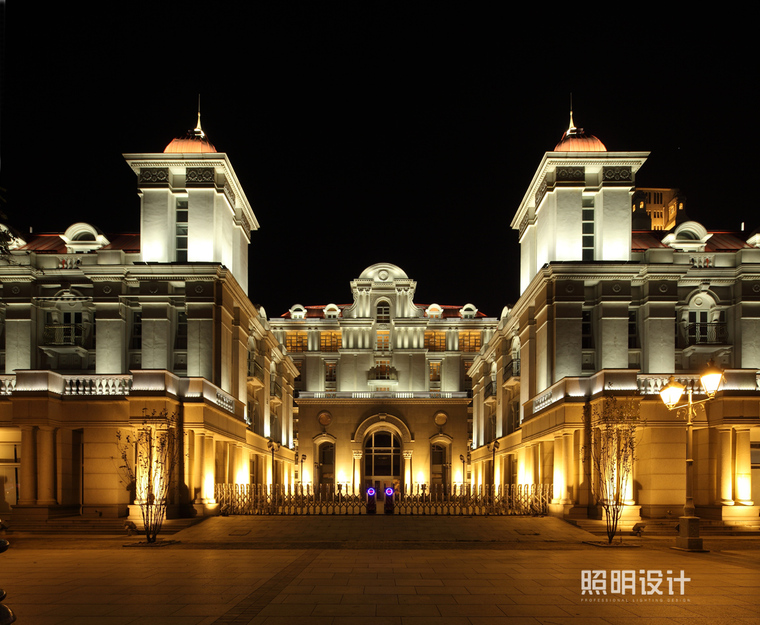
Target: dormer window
<point x="331" y="311"/>
<point x="468" y="311"/>
<point x="298" y="312"/>
<point x="434" y="311"/>
<point x="82" y="237"/>
<point x="690" y="236"/>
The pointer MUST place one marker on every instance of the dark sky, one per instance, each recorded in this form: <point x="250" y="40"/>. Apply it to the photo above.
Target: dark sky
<point x="366" y="134"/>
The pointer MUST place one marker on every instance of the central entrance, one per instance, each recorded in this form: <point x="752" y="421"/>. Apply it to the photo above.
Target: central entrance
<point x="382" y="461"/>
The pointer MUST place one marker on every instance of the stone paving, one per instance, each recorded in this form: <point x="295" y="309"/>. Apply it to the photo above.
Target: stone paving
<point x="375" y="571"/>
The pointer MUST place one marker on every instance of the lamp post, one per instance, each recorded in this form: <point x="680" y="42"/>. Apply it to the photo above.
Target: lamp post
<point x="300" y="473"/>
<point x="688" y="526"/>
<point x="273" y="446"/>
<point x="464" y="475"/>
<point x="494" y="447"/>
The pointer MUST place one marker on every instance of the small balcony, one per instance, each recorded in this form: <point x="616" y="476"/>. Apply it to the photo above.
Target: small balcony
<point x="512" y="371"/>
<point x="63" y="335"/>
<point x="706" y="334"/>
<point x="489" y="393"/>
<point x="255" y="375"/>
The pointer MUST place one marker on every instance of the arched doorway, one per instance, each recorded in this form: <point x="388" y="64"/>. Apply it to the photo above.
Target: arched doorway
<point x="326" y="463"/>
<point x="382" y="460"/>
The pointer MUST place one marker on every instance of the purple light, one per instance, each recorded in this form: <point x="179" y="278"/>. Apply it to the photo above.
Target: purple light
<point x="389" y="491"/>
<point x="371" y="491"/>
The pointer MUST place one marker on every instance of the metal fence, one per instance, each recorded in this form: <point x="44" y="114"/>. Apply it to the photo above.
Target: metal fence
<point x="457" y="500"/>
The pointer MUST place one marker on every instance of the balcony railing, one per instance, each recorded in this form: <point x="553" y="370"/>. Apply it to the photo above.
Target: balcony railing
<point x="64" y="334"/>
<point x="512" y="369"/>
<point x="706" y="333"/>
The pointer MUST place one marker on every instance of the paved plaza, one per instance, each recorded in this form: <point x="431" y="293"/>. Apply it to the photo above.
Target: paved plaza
<point x="376" y="571"/>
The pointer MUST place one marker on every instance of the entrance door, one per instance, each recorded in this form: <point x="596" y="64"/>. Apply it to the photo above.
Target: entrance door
<point x="382" y="461"/>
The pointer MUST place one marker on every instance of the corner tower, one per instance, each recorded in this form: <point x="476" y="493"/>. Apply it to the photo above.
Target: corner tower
<point x="578" y="205"/>
<point x="192" y="206"/>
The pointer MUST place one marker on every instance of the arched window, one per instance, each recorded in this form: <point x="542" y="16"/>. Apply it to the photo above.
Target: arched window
<point x="438" y="465"/>
<point x="383" y="312"/>
<point x="326" y="460"/>
<point x="382" y="457"/>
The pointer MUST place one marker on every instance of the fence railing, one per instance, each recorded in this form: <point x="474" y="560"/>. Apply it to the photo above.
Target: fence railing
<point x="459" y="499"/>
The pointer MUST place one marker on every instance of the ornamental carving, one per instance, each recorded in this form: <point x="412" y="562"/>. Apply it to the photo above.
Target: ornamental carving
<point x="200" y="175"/>
<point x="154" y="174"/>
<point x="229" y="194"/>
<point x="618" y="174"/>
<point x="540" y="193"/>
<point x="574" y="174"/>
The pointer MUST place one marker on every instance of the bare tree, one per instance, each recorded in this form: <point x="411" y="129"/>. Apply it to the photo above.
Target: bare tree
<point x="150" y="456"/>
<point x="612" y="426"/>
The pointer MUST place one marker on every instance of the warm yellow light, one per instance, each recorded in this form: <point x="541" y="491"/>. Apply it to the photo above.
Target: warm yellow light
<point x="342" y="477"/>
<point x="242" y="477"/>
<point x="711" y="379"/>
<point x="743" y="487"/>
<point x="421" y="477"/>
<point x="208" y="487"/>
<point x="672" y="392"/>
<point x="458" y="477"/>
<point x="305" y="478"/>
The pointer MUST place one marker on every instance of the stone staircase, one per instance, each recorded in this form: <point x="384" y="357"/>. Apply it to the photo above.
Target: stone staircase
<point x="91" y="525"/>
<point x="668" y="527"/>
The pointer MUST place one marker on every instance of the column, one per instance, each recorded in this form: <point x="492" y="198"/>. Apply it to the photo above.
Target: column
<point x="725" y="468"/>
<point x="46" y="466"/>
<point x="568" y="496"/>
<point x="28" y="470"/>
<point x="209" y="469"/>
<point x="196" y="460"/>
<point x="358" y="472"/>
<point x="743" y="468"/>
<point x="408" y="477"/>
<point x="529" y="466"/>
<point x="560" y="479"/>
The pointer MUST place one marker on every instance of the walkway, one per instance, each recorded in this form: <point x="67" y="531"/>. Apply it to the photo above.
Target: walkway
<point x="374" y="571"/>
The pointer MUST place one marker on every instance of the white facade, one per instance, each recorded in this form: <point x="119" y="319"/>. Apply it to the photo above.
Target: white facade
<point x="383" y="364"/>
<point x="98" y="330"/>
<point x="609" y="310"/>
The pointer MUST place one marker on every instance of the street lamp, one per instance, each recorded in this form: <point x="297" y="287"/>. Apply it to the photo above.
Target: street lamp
<point x="494" y="446"/>
<point x="688" y="526"/>
<point x="461" y="457"/>
<point x="300" y="473"/>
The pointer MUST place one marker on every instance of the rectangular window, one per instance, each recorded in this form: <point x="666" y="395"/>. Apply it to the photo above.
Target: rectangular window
<point x="331" y="369"/>
<point x="382" y="369"/>
<point x="469" y="341"/>
<point x="383" y="340"/>
<point x="467" y="379"/>
<point x="633" y="340"/>
<point x="295" y="341"/>
<point x="435" y="341"/>
<point x="383" y="312"/>
<point x="330" y="341"/>
<point x="181" y="232"/>
<point x="299" y="366"/>
<point x="435" y="371"/>
<point x="587" y="337"/>
<point x="587" y="227"/>
<point x="181" y="340"/>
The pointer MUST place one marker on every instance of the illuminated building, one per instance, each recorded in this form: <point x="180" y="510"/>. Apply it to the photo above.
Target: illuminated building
<point x="605" y="308"/>
<point x="383" y="387"/>
<point x="97" y="330"/>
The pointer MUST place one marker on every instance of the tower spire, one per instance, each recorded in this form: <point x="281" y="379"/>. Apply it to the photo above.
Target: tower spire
<point x="572" y="124"/>
<point x="198" y="130"/>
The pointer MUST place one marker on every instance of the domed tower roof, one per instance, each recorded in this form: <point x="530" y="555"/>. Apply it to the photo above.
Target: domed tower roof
<point x="576" y="140"/>
<point x="194" y="142"/>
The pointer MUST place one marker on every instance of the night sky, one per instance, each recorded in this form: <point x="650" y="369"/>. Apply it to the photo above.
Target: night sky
<point x="367" y="134"/>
